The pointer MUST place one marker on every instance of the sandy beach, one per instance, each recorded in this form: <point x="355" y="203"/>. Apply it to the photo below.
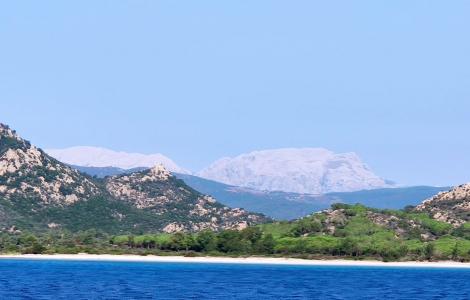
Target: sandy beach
<point x="230" y="260"/>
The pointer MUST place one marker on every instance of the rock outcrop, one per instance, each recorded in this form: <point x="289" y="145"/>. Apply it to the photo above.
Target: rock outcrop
<point x="452" y="207"/>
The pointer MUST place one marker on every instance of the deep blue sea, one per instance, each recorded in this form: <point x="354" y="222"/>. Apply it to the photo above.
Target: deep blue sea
<point x="28" y="279"/>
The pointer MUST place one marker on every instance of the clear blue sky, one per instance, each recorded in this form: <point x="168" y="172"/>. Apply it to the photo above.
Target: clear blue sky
<point x="198" y="80"/>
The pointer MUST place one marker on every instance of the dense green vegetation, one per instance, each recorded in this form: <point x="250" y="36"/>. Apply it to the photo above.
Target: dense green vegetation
<point x="98" y="212"/>
<point x="354" y="235"/>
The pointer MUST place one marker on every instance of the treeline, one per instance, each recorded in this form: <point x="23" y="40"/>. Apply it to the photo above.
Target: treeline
<point x="247" y="241"/>
<point x="55" y="241"/>
<point x="254" y="242"/>
<point x="250" y="241"/>
<point x="350" y="232"/>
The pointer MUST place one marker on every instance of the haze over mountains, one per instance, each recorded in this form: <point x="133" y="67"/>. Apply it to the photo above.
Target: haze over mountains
<point x="87" y="156"/>
<point x="305" y="170"/>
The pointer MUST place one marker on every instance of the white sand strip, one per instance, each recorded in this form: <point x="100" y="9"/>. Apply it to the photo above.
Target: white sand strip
<point x="230" y="260"/>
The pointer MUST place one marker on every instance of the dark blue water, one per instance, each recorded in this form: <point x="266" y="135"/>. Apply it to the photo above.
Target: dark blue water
<point x="26" y="279"/>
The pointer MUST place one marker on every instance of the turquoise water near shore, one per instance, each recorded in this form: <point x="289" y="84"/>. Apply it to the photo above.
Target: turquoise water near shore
<point x="29" y="279"/>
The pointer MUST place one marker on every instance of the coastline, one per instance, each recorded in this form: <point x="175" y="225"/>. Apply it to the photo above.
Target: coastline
<point x="233" y="260"/>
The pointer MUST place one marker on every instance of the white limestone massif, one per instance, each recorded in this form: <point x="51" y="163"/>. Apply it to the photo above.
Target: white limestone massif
<point x="297" y="170"/>
<point x="101" y="157"/>
<point x="304" y="170"/>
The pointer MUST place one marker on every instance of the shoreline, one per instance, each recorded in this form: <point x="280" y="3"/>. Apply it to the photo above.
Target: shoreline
<point x="233" y="260"/>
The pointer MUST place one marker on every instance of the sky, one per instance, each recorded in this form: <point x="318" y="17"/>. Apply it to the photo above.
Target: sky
<point x="200" y="80"/>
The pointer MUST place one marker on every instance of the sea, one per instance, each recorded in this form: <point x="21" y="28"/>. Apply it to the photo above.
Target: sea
<point x="38" y="279"/>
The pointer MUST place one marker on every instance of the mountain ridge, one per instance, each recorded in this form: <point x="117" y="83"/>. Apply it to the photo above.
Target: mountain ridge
<point x="297" y="170"/>
<point x="89" y="156"/>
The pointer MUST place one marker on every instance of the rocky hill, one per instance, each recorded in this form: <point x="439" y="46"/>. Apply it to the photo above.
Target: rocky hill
<point x="452" y="207"/>
<point x="404" y="225"/>
<point x="444" y="214"/>
<point x="38" y="192"/>
<point x="157" y="190"/>
<point x="26" y="172"/>
<point x="306" y="171"/>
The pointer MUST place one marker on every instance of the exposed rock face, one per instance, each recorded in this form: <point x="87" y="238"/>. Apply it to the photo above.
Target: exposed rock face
<point x="306" y="171"/>
<point x="27" y="172"/>
<point x="129" y="188"/>
<point x="452" y="207"/>
<point x="157" y="190"/>
<point x="401" y="226"/>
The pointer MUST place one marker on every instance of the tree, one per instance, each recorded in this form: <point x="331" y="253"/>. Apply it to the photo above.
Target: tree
<point x="306" y="226"/>
<point x="130" y="241"/>
<point x="206" y="241"/>
<point x="409" y="208"/>
<point x="266" y="244"/>
<point x="350" y="246"/>
<point x="252" y="234"/>
<point x="37" y="248"/>
<point x="463" y="231"/>
<point x="428" y="251"/>
<point x="27" y="240"/>
<point x="231" y="241"/>
<point x="180" y="241"/>
<point x="455" y="251"/>
<point x="6" y="243"/>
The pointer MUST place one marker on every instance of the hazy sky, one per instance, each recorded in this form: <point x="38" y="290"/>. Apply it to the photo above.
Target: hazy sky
<point x="198" y="80"/>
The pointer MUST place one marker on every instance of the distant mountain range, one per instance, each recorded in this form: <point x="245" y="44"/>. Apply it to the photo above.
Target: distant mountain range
<point x="37" y="192"/>
<point x="102" y="172"/>
<point x="302" y="171"/>
<point x="102" y="157"/>
<point x="287" y="206"/>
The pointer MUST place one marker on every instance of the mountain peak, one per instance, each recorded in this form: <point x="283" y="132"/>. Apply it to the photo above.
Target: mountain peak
<point x="159" y="171"/>
<point x="87" y="156"/>
<point x="5" y="131"/>
<point x="3" y="126"/>
<point x="299" y="170"/>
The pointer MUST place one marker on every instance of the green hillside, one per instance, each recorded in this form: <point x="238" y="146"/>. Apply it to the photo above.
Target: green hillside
<point x="345" y="231"/>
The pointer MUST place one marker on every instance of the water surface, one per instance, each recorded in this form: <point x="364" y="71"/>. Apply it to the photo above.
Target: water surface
<point x="28" y="279"/>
